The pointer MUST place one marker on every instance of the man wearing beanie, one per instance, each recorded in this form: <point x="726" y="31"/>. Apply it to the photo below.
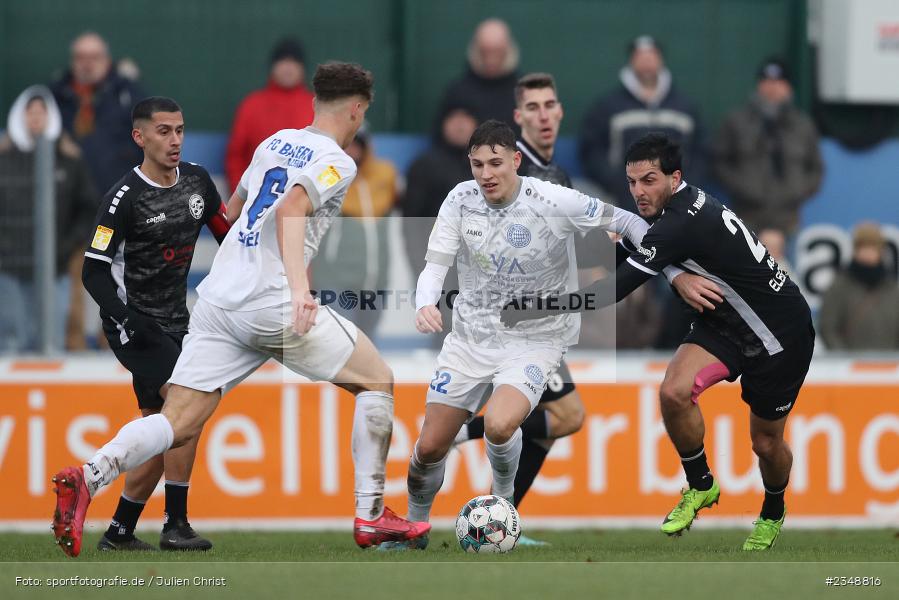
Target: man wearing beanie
<point x="767" y="156"/>
<point x="283" y="103"/>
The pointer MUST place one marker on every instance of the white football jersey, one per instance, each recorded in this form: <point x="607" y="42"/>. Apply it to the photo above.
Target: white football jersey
<point x="525" y="247"/>
<point x="248" y="273"/>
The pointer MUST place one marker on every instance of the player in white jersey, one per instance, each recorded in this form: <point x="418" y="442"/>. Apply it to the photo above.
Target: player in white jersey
<point x="255" y="305"/>
<point x="506" y="233"/>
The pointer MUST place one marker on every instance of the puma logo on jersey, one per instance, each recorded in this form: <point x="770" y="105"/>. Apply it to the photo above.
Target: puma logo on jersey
<point x="157" y="219"/>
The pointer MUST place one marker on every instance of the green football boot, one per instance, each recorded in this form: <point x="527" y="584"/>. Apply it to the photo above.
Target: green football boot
<point x="691" y="502"/>
<point x="765" y="533"/>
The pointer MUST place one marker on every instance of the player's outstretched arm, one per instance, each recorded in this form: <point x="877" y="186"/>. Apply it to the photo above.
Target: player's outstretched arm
<point x="291" y="220"/>
<point x="600" y="293"/>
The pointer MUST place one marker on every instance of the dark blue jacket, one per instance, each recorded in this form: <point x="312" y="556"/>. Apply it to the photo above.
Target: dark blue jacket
<point x="109" y="150"/>
<point x="619" y="119"/>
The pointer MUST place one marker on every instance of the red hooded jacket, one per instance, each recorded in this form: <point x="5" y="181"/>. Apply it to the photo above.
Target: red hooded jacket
<point x="261" y="114"/>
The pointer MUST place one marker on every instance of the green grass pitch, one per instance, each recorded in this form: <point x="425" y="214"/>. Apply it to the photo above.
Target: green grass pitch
<point x="578" y="564"/>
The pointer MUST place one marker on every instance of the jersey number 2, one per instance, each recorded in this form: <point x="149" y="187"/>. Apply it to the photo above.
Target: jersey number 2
<point x="732" y="222"/>
<point x="272" y="186"/>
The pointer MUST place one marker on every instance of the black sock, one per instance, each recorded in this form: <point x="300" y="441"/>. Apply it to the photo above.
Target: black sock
<point x="699" y="476"/>
<point x="535" y="427"/>
<point x="124" y="520"/>
<point x="476" y="428"/>
<point x="773" y="506"/>
<point x="175" y="504"/>
<point x="532" y="457"/>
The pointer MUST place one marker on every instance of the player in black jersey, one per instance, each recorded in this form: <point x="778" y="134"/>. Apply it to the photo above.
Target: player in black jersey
<point x="136" y="270"/>
<point x="758" y="327"/>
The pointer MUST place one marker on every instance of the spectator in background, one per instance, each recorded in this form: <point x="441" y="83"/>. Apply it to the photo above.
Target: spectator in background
<point x="860" y="311"/>
<point x="33" y="114"/>
<point x="647" y="101"/>
<point x="766" y="154"/>
<point x="354" y="255"/>
<point x="433" y="174"/>
<point x="488" y="85"/>
<point x="430" y="178"/>
<point x="284" y="103"/>
<point x="95" y="103"/>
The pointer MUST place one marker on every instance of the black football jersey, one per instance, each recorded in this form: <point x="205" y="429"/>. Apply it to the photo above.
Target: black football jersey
<point x="147" y="233"/>
<point x="762" y="306"/>
<point x="533" y="165"/>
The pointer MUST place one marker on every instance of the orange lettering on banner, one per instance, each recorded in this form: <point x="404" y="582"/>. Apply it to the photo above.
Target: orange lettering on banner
<point x="283" y="451"/>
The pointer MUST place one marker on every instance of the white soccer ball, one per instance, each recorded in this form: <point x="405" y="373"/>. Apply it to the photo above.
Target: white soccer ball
<point x="488" y="524"/>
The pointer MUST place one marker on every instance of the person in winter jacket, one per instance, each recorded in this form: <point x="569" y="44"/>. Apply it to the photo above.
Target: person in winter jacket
<point x="34" y="114"/>
<point x="95" y="103"/>
<point x="284" y="103"/>
<point x="488" y="85"/>
<point x="647" y="101"/>
<point x="860" y="311"/>
<point x="766" y="154"/>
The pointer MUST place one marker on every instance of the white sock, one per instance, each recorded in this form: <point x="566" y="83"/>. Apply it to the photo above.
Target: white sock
<point x="134" y="444"/>
<point x="372" y="428"/>
<point x="504" y="460"/>
<point x="423" y="483"/>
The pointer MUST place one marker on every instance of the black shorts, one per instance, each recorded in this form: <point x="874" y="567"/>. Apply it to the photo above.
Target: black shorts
<point x="770" y="383"/>
<point x="559" y="384"/>
<point x="151" y="364"/>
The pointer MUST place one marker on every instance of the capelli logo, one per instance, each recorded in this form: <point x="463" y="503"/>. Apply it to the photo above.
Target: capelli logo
<point x="649" y="254"/>
<point x="784" y="408"/>
<point x="157" y="219"/>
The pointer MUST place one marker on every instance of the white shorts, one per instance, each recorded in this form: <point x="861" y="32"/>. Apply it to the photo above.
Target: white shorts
<point x="223" y="347"/>
<point x="467" y="374"/>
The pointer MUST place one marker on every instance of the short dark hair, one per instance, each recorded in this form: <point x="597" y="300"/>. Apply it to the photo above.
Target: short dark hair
<point x="337" y="80"/>
<point x="154" y="104"/>
<point x="655" y="147"/>
<point x="533" y="81"/>
<point x="492" y="133"/>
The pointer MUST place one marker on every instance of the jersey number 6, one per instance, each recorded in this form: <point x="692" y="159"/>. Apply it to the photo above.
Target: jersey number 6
<point x="732" y="222"/>
<point x="272" y="186"/>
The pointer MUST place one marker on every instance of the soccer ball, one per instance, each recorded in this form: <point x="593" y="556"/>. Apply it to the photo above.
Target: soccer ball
<point x="488" y="524"/>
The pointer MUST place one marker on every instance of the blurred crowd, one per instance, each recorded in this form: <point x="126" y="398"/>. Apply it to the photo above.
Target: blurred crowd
<point x="763" y="159"/>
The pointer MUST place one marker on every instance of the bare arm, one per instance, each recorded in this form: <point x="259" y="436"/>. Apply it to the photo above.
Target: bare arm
<point x="235" y="205"/>
<point x="290" y="217"/>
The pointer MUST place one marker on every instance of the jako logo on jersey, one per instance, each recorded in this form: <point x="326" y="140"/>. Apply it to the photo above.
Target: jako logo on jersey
<point x="592" y="205"/>
<point x="157" y="219"/>
<point x="500" y="262"/>
<point x="649" y="254"/>
<point x="196" y="204"/>
<point x="534" y="373"/>
<point x="518" y="236"/>
<point x="474" y="233"/>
